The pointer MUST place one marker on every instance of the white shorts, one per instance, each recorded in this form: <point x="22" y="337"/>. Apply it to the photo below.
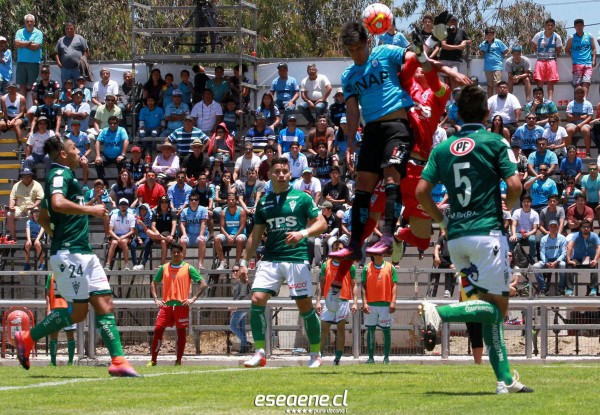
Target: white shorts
<point x="379" y="316"/>
<point x="78" y="276"/>
<point x="342" y="313"/>
<point x="489" y="256"/>
<point x="270" y="275"/>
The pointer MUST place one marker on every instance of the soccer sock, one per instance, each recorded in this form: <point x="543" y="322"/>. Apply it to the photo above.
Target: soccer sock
<point x="407" y="236"/>
<point x="338" y="354"/>
<point x="71" y="349"/>
<point x="393" y="206"/>
<point x="53" y="346"/>
<point x="156" y="342"/>
<point x="258" y="324"/>
<point x="181" y="338"/>
<point x="110" y="335"/>
<point x="360" y="215"/>
<point x="387" y="341"/>
<point x="56" y="320"/>
<point x="493" y="336"/>
<point x="312" y="325"/>
<point x="371" y="341"/>
<point x="475" y="311"/>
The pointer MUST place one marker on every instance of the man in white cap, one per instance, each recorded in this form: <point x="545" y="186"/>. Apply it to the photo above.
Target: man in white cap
<point x="175" y="113"/>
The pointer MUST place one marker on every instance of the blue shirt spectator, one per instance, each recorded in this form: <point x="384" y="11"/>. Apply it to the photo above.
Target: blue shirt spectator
<point x="288" y="135"/>
<point x="493" y="52"/>
<point x="584" y="247"/>
<point x="151" y="118"/>
<point x="178" y="194"/>
<point x="113" y="141"/>
<point x="527" y="137"/>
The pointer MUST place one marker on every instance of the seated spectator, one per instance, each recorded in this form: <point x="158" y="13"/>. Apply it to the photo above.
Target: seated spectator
<point x="196" y="163"/>
<point x="494" y="51"/>
<point x="25" y="195"/>
<point x="82" y="142"/>
<point x="124" y="188"/>
<point x="205" y="192"/>
<point x="51" y="111"/>
<point x="583" y="251"/>
<point x="216" y="171"/>
<point x="102" y="116"/>
<point x="230" y="116"/>
<point x="193" y="228"/>
<point x="103" y="89"/>
<point x="13" y="108"/>
<point x="87" y="93"/>
<point x="166" y="93"/>
<point x="129" y="95"/>
<point x="115" y="143"/>
<point x="322" y="133"/>
<point x="244" y="162"/>
<point x="186" y="87"/>
<point x="571" y="166"/>
<point x="164" y="226"/>
<point x="542" y="156"/>
<point x="121" y="231"/>
<point x="525" y="222"/>
<point x="233" y="224"/>
<point x="439" y="193"/>
<point x="270" y="111"/>
<point x="578" y="213"/>
<point x="309" y="185"/>
<point x="44" y="85"/>
<point x="153" y="87"/>
<point x="454" y="122"/>
<point x="441" y="259"/>
<point x="150" y="192"/>
<point x="518" y="68"/>
<point x="336" y="192"/>
<point x="569" y="193"/>
<point x="184" y="137"/>
<point x="219" y="85"/>
<point x="542" y="108"/>
<point x="136" y="166"/>
<point x="34" y="152"/>
<point x="552" y="212"/>
<point x="221" y="143"/>
<point x="298" y="161"/>
<point x="259" y="134"/>
<point x="179" y="193"/>
<point x="98" y="195"/>
<point x="330" y="235"/>
<point x="66" y="93"/>
<point x="553" y="251"/>
<point x="590" y="187"/>
<point x="207" y="113"/>
<point x="506" y="105"/>
<point x="540" y="187"/>
<point x="528" y="134"/>
<point x="175" y="113"/>
<point x="322" y="163"/>
<point x="337" y="110"/>
<point x="33" y="237"/>
<point x="314" y="90"/>
<point x="556" y="136"/>
<point x="151" y="120"/>
<point x="288" y="135"/>
<point x="248" y="195"/>
<point x="579" y="115"/>
<point x="498" y="127"/>
<point x="166" y="163"/>
<point x="521" y="161"/>
<point x="143" y="230"/>
<point x="77" y="110"/>
<point x="221" y="192"/>
<point x="265" y="164"/>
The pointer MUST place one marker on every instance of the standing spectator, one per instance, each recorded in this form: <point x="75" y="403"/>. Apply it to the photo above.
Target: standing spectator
<point x="13" y="110"/>
<point x="394" y="37"/>
<point x="115" y="143"/>
<point x="237" y="324"/>
<point x="506" y="105"/>
<point x="233" y="224"/>
<point x="556" y="136"/>
<point x="540" y="187"/>
<point x="103" y="89"/>
<point x="206" y="194"/>
<point x="289" y="135"/>
<point x="102" y="115"/>
<point x="219" y="85"/>
<point x="583" y="251"/>
<point x="239" y="93"/>
<point x="518" y="68"/>
<point x="244" y="162"/>
<point x="309" y="185"/>
<point x="590" y="187"/>
<point x="143" y="230"/>
<point x="87" y="93"/>
<point x="136" y="166"/>
<point x="286" y="91"/>
<point x="25" y="195"/>
<point x="528" y="135"/>
<point x="542" y="156"/>
<point x="525" y="222"/>
<point x="77" y="110"/>
<point x="337" y="110"/>
<point x="207" y="113"/>
<point x="151" y="192"/>
<point x="121" y="231"/>
<point x="552" y="212"/>
<point x="193" y="228"/>
<point x="34" y="152"/>
<point x="177" y="277"/>
<point x="578" y="213"/>
<point x="329" y="235"/>
<point x="581" y="46"/>
<point x="175" y="113"/>
<point x="153" y="87"/>
<point x="547" y="44"/>
<point x="268" y="108"/>
<point x="297" y="161"/>
<point x="579" y="115"/>
<point x="553" y="251"/>
<point x="441" y="259"/>
<point x="184" y="137"/>
<point x="28" y="42"/>
<point x="6" y="65"/>
<point x="542" y="108"/>
<point x="322" y="133"/>
<point x="195" y="163"/>
<point x="221" y="144"/>
<point x="494" y="51"/>
<point x="200" y="80"/>
<point x="166" y="93"/>
<point x="315" y="89"/>
<point x="151" y="123"/>
<point x="68" y="52"/>
<point x="453" y="48"/>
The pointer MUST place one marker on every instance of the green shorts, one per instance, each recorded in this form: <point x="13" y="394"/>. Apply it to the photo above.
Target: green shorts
<point x="27" y="73"/>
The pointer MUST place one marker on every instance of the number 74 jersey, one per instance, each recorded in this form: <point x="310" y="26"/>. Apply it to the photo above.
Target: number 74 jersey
<point x="470" y="164"/>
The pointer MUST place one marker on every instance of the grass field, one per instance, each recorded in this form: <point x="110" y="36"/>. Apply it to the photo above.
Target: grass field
<point x="396" y="389"/>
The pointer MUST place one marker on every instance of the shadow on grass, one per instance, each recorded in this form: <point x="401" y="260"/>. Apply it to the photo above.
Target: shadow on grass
<point x="54" y="376"/>
<point x="445" y="393"/>
<point x="374" y="373"/>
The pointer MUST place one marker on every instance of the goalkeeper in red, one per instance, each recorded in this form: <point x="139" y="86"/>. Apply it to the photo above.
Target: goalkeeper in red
<point x="80" y="278"/>
<point x="470" y="165"/>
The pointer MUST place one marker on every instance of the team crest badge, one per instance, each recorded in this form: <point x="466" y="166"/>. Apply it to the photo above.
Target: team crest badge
<point x="293" y="205"/>
<point x="375" y="63"/>
<point x="76" y="285"/>
<point x="496" y="249"/>
<point x="62" y="267"/>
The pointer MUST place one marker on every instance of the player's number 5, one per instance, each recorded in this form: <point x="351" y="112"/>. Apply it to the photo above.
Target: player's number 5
<point x="460" y="180"/>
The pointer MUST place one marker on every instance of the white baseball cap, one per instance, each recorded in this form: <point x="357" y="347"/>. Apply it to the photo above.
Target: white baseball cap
<point x="2" y="39"/>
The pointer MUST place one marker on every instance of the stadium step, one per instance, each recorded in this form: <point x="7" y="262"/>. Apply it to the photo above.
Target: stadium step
<point x="8" y="155"/>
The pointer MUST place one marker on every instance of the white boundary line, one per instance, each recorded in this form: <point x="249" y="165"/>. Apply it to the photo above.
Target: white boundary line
<point x="150" y="375"/>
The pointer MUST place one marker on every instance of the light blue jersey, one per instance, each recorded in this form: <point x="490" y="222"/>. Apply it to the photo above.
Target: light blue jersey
<point x="81" y="141"/>
<point x="581" y="49"/>
<point x="580" y="108"/>
<point x="540" y="190"/>
<point x="193" y="220"/>
<point x="232" y="222"/>
<point x="493" y="55"/>
<point x="375" y="83"/>
<point x="527" y="137"/>
<point x="591" y="187"/>
<point x="553" y="248"/>
<point x="536" y="158"/>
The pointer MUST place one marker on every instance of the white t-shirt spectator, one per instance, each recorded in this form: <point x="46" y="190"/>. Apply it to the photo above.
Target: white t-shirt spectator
<point x="504" y="107"/>
<point x="556" y="138"/>
<point x="310" y="188"/>
<point x="100" y="90"/>
<point x="243" y="164"/>
<point x="206" y="115"/>
<point x="526" y="220"/>
<point x="37" y="140"/>
<point x="315" y="89"/>
<point x="122" y="224"/>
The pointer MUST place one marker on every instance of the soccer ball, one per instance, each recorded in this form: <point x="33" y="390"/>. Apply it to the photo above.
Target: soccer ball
<point x="377" y="18"/>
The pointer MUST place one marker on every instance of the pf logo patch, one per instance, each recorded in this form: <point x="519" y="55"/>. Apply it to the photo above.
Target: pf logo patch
<point x="462" y="146"/>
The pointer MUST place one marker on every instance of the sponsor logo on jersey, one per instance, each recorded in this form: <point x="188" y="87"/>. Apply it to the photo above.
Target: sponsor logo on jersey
<point x="281" y="223"/>
<point x="297" y="285"/>
<point x="367" y="82"/>
<point x="462" y="146"/>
